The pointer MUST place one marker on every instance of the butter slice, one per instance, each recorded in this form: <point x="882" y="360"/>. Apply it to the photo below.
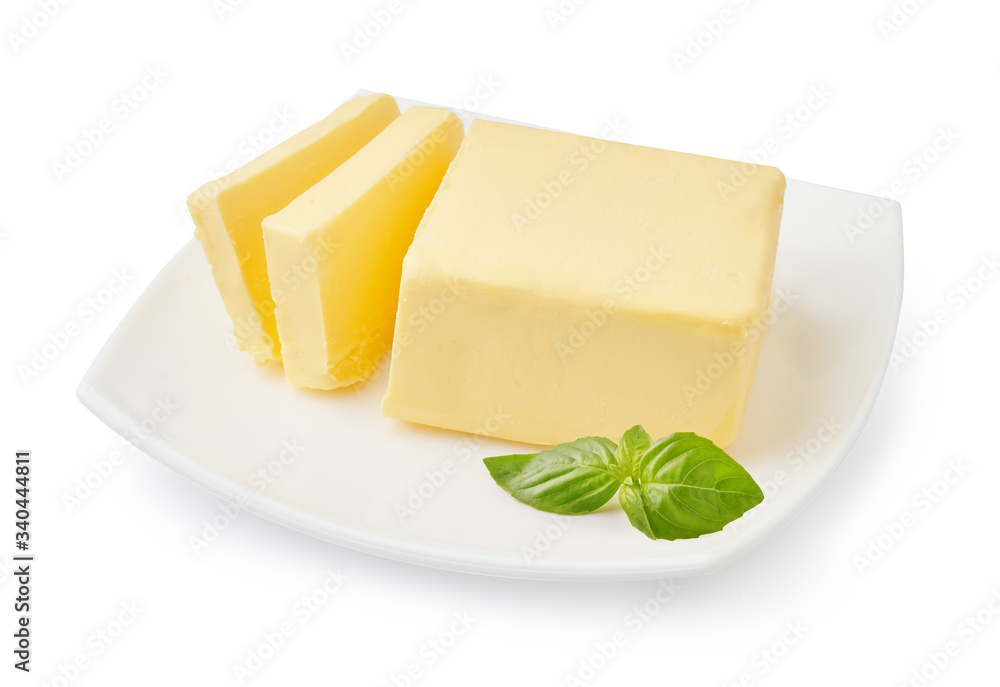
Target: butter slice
<point x="228" y="212"/>
<point x="335" y="254"/>
<point x="562" y="286"/>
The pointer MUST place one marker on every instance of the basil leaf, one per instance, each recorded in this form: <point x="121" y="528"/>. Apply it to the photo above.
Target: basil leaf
<point x="631" y="448"/>
<point x="687" y="487"/>
<point x="570" y="478"/>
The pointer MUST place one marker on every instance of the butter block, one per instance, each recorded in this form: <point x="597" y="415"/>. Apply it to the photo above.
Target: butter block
<point x="228" y="212"/>
<point x="335" y="254"/>
<point x="561" y="286"/>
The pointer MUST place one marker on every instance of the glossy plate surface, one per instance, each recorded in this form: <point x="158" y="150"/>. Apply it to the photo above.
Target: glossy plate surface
<point x="385" y="487"/>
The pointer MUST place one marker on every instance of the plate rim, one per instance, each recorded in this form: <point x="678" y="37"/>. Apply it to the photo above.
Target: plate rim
<point x="454" y="559"/>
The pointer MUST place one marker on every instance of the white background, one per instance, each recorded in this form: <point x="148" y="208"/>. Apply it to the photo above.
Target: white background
<point x="892" y="87"/>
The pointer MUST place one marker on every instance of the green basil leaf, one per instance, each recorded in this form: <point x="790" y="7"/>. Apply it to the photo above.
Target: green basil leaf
<point x="631" y="500"/>
<point x="570" y="478"/>
<point x="631" y="448"/>
<point x="687" y="487"/>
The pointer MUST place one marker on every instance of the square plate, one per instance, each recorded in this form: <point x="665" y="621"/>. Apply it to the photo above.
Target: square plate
<point x="328" y="464"/>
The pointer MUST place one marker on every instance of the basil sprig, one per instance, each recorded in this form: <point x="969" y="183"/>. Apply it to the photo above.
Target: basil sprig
<point x="679" y="487"/>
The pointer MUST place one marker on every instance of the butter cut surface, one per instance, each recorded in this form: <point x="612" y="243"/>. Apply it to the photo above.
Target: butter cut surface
<point x="335" y="254"/>
<point x="228" y="212"/>
<point x="561" y="286"/>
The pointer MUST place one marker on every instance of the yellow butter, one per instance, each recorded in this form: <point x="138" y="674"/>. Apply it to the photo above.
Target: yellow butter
<point x="228" y="212"/>
<point x="335" y="254"/>
<point x="562" y="286"/>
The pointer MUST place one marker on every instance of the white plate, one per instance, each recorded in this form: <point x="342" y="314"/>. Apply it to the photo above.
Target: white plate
<point x="823" y="360"/>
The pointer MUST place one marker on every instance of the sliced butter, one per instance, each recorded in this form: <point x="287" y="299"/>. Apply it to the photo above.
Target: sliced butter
<point x="562" y="286"/>
<point x="335" y="254"/>
<point x="228" y="212"/>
